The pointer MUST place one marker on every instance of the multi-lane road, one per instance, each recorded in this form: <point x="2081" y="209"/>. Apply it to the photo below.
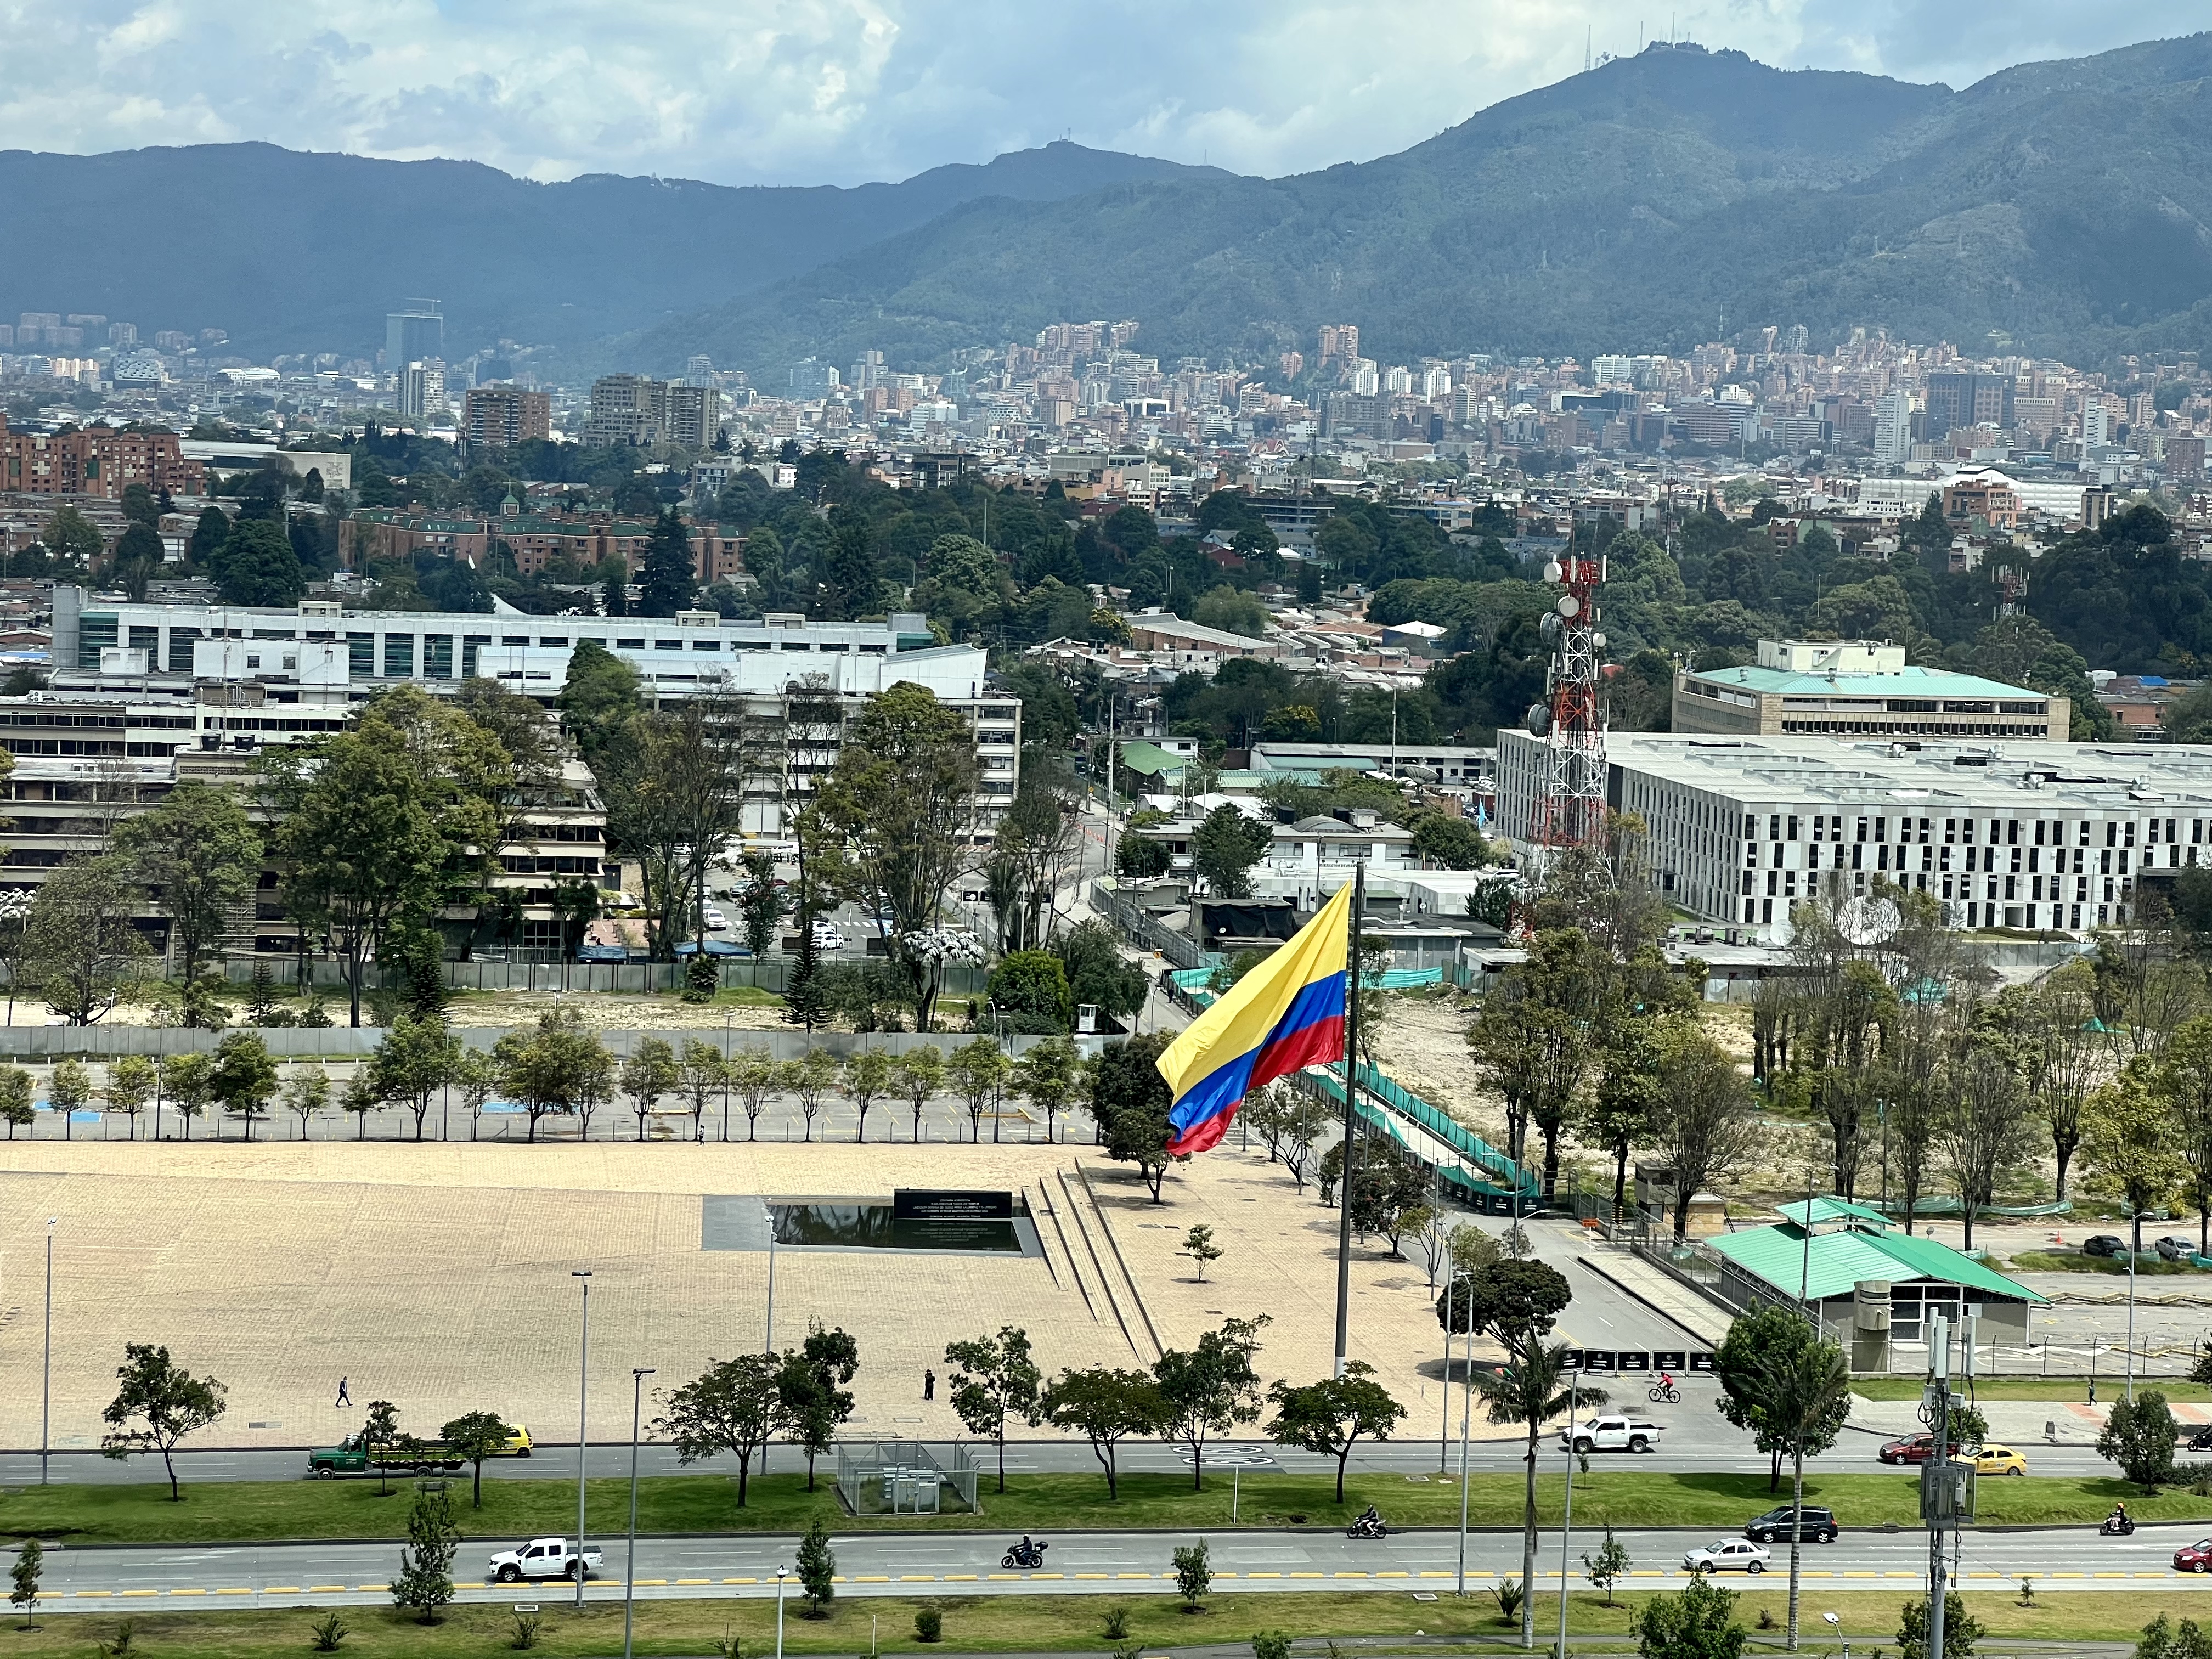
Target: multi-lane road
<point x="879" y="1564"/>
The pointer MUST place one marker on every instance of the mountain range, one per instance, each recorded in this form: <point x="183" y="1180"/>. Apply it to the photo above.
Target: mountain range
<point x="296" y="251"/>
<point x="1649" y="204"/>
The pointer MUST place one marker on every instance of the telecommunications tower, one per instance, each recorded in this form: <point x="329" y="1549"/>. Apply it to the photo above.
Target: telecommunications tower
<point x="1571" y="801"/>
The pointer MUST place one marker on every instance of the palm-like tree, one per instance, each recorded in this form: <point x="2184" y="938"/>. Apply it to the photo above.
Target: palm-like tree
<point x="1527" y="1390"/>
<point x="1801" y="1386"/>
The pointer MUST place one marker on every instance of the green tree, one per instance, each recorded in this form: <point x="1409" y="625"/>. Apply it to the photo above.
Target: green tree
<point x="1048" y="1076"/>
<point x="1807" y="1390"/>
<point x="650" y="1072"/>
<point x="852" y="585"/>
<point x="1225" y="848"/>
<point x="157" y="1404"/>
<point x="817" y="1567"/>
<point x="1330" y="1417"/>
<point x="138" y="556"/>
<point x="810" y="1391"/>
<point x="920" y="1074"/>
<point x="1961" y="1630"/>
<point x="2160" y="1641"/>
<point x="373" y="822"/>
<point x="1208" y="1390"/>
<point x="667" y="578"/>
<point x="425" y="1584"/>
<point x="703" y="1075"/>
<point x="245" y="1076"/>
<point x="2140" y="1434"/>
<point x="1105" y="1407"/>
<point x="733" y="1406"/>
<point x="995" y="1378"/>
<point x="1772" y="1339"/>
<point x="189" y="1082"/>
<point x="902" y="797"/>
<point x="81" y="948"/>
<point x="868" y="1075"/>
<point x="1443" y="842"/>
<point x="208" y="537"/>
<point x="414" y="1061"/>
<point x="256" y="565"/>
<point x="1526" y="1391"/>
<point x="598" y="700"/>
<point x="1140" y="858"/>
<point x="1129" y="1103"/>
<point x="554" y="1067"/>
<point x="1698" y="1624"/>
<point x="1606" y="1568"/>
<point x="1193" y="1572"/>
<point x="1234" y="612"/>
<point x="1197" y="1244"/>
<point x="761" y="903"/>
<point x="30" y="1564"/>
<point x="72" y="541"/>
<point x="1097" y="975"/>
<point x="1030" y="988"/>
<point x="1701" y="1120"/>
<point x="473" y="1437"/>
<point x="17" y="1109"/>
<point x="977" y="1072"/>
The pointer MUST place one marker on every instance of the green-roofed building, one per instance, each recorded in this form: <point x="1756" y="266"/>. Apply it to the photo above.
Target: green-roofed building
<point x="1868" y="1283"/>
<point x="1857" y="688"/>
<point x="1152" y="762"/>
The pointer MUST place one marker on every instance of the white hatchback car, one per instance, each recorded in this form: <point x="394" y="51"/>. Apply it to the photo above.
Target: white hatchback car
<point x="715" y="917"/>
<point x="1729" y="1555"/>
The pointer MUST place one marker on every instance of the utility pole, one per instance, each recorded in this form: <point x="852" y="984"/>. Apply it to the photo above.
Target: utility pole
<point x="1945" y="1508"/>
<point x="1351" y="1116"/>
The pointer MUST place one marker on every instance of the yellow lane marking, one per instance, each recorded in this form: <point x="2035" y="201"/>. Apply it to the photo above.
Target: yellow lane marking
<point x="1263" y="1575"/>
<point x="663" y="1581"/>
<point x="1148" y="1575"/>
<point x="709" y="1581"/>
<point x="84" y="1593"/>
<point x="246" y="1589"/>
<point x="1009" y="1575"/>
<point x="741" y="1581"/>
<point x="917" y="1578"/>
<point x="1434" y="1572"/>
<point x="2054" y="1575"/>
<point x="1297" y="1575"/>
<point x="339" y="1590"/>
<point x="188" y="1592"/>
<point x="2108" y="1575"/>
<point x="138" y="1592"/>
<point x="1090" y="1575"/>
<point x="2140" y="1575"/>
<point x="1350" y="1575"/>
<point x="966" y="1577"/>
<point x="865" y="1578"/>
<point x="286" y="1589"/>
<point x="1900" y="1574"/>
<point x="378" y="1588"/>
<point x="1058" y="1575"/>
<point x="1391" y="1575"/>
<point x="1639" y="1572"/>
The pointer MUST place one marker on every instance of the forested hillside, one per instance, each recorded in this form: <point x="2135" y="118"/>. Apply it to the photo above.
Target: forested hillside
<point x="2065" y="205"/>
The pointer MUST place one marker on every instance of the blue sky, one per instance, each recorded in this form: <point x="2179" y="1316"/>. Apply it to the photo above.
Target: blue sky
<point x="839" y="91"/>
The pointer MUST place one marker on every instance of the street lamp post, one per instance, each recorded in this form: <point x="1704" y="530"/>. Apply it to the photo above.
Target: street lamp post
<point x="781" y="1573"/>
<point x="638" y="1374"/>
<point x="1466" y="1430"/>
<point x="583" y="1428"/>
<point x="46" y="1381"/>
<point x="1567" y="1513"/>
<point x="2135" y="1247"/>
<point x="1444" y="1433"/>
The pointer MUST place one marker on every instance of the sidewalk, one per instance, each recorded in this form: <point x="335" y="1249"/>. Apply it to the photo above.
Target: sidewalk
<point x="2023" y="1422"/>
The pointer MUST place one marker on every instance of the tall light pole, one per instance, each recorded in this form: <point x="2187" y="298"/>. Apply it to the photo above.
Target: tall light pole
<point x="1444" y="1434"/>
<point x="637" y="1376"/>
<point x="583" y="1430"/>
<point x="2135" y="1246"/>
<point x="46" y="1383"/>
<point x="781" y="1573"/>
<point x="1466" y="1428"/>
<point x="1567" y="1514"/>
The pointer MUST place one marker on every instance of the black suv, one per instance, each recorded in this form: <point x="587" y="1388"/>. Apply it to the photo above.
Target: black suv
<point x="1813" y="1525"/>
<point x="2105" y="1245"/>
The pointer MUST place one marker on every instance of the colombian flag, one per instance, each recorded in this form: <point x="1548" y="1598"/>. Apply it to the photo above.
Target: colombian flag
<point x="1285" y="1014"/>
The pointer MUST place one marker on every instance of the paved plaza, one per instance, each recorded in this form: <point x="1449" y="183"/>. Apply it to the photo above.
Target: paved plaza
<point x="438" y="1276"/>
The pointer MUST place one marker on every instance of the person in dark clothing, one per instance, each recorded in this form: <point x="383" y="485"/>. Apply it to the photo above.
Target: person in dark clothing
<point x="929" y="1385"/>
<point x="344" y="1398"/>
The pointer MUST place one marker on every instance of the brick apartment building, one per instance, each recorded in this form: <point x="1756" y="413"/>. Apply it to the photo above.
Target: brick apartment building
<point x="535" y="540"/>
<point x="95" y="461"/>
<point x="500" y="416"/>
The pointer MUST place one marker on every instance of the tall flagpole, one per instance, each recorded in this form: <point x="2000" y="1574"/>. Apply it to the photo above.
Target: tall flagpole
<point x="1351" y="1139"/>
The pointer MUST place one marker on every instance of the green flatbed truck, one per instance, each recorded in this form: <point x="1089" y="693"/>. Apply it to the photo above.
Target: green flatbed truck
<point x="352" y="1456"/>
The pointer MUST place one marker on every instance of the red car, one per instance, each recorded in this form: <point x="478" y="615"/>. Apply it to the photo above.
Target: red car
<point x="1913" y="1448"/>
<point x="2194" y="1557"/>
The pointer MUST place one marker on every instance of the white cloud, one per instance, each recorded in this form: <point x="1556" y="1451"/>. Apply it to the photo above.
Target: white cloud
<point x="837" y="91"/>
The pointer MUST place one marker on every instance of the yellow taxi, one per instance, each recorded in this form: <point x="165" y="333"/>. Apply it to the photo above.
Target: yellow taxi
<point x="1999" y="1460"/>
<point x="518" y="1444"/>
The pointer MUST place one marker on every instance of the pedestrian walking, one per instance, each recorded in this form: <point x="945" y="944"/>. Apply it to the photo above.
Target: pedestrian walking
<point x="2093" y="1390"/>
<point x="344" y="1399"/>
<point x="928" y="1384"/>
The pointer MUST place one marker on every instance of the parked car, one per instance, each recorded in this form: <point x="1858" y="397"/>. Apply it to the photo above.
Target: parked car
<point x="1814" y="1524"/>
<point x="1727" y="1555"/>
<point x="2105" y="1245"/>
<point x="2194" y="1557"/>
<point x="2174" y="1247"/>
<point x="827" y="938"/>
<point x="1911" y="1448"/>
<point x="1998" y="1460"/>
<point x="541" y="1558"/>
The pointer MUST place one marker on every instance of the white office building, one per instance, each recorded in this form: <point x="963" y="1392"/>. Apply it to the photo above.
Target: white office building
<point x="2032" y="834"/>
<point x="1892" y="429"/>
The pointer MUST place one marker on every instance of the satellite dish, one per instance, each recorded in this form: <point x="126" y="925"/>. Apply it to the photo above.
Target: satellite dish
<point x="1569" y="605"/>
<point x="1782" y="932"/>
<point x="1554" y="571"/>
<point x="1539" y="720"/>
<point x="1867" y="921"/>
<point x="1550" y="627"/>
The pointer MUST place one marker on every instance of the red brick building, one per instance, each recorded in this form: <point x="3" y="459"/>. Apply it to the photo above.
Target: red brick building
<point x="95" y="461"/>
<point x="534" y="539"/>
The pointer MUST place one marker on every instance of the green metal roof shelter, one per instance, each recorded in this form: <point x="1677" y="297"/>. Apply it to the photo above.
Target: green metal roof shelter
<point x="1850" y="1250"/>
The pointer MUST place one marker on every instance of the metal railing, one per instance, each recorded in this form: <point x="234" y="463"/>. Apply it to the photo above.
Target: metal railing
<point x="1141" y="929"/>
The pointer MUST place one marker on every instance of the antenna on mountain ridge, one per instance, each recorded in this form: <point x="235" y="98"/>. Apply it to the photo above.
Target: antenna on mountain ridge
<point x="1589" y="35"/>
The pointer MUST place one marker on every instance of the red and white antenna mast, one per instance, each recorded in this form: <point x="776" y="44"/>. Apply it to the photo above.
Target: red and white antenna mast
<point x="1571" y="805"/>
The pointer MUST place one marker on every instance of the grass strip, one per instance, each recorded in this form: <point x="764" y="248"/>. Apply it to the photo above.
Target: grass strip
<point x="1014" y="1624"/>
<point x="261" y="1511"/>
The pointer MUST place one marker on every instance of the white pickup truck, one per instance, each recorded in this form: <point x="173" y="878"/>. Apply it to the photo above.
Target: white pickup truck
<point x="1611" y="1434"/>
<point x="541" y="1558"/>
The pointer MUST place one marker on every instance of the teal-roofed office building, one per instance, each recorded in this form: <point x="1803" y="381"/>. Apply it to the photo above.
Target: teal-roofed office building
<point x="1867" y="1281"/>
<point x="1859" y="688"/>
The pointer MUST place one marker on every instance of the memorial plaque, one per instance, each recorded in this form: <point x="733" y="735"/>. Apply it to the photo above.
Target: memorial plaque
<point x="947" y="1204"/>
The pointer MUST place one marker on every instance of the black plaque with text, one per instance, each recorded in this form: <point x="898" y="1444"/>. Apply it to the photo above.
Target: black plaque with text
<point x="936" y="1204"/>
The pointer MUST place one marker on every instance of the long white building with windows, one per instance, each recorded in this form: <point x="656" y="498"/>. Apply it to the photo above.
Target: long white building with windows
<point x="2035" y="835"/>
